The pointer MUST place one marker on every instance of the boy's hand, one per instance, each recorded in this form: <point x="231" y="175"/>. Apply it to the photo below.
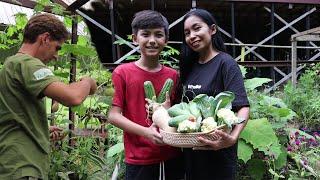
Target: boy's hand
<point x="167" y="104"/>
<point x="151" y="106"/>
<point x="153" y="135"/>
<point x="55" y="133"/>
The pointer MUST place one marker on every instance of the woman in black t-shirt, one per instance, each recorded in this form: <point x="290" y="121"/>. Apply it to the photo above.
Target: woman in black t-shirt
<point x="206" y="69"/>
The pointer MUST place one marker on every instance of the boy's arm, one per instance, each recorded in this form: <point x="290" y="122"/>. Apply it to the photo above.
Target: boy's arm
<point x="117" y="119"/>
<point x="71" y="94"/>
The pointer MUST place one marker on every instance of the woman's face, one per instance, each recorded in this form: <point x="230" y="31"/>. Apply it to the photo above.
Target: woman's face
<point x="198" y="33"/>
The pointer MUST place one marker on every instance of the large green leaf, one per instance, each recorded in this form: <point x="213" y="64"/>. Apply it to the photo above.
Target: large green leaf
<point x="274" y="150"/>
<point x="116" y="149"/>
<point x="256" y="168"/>
<point x="203" y="103"/>
<point x="281" y="161"/>
<point x="78" y="50"/>
<point x="261" y="136"/>
<point x="244" y="151"/>
<point x="227" y="97"/>
<point x="254" y="83"/>
<point x="272" y="101"/>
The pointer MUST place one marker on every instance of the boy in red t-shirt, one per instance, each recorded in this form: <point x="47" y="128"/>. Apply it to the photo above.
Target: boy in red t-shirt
<point x="146" y="156"/>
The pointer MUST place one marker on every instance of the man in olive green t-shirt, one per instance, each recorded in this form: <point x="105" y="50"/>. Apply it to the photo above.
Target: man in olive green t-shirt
<point x="24" y="81"/>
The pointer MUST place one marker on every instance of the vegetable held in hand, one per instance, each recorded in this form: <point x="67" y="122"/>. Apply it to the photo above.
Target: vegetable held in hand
<point x="188" y="126"/>
<point x="161" y="118"/>
<point x="208" y="124"/>
<point x="166" y="88"/>
<point x="227" y="116"/>
<point x="151" y="94"/>
<point x="149" y="91"/>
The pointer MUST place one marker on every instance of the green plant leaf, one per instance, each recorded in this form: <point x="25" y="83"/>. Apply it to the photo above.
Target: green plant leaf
<point x="254" y="83"/>
<point x="256" y="168"/>
<point x="21" y="20"/>
<point x="261" y="136"/>
<point x="281" y="161"/>
<point x="116" y="149"/>
<point x="243" y="70"/>
<point x="226" y="96"/>
<point x="80" y="109"/>
<point x="78" y="50"/>
<point x="245" y="151"/>
<point x="121" y="42"/>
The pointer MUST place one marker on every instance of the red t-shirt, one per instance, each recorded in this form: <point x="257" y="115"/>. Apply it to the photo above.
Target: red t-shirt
<point x="129" y="95"/>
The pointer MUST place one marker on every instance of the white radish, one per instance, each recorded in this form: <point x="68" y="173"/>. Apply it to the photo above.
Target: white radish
<point x="161" y="118"/>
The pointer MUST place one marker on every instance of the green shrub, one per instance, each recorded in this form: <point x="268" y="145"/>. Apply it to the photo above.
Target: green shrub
<point x="304" y="99"/>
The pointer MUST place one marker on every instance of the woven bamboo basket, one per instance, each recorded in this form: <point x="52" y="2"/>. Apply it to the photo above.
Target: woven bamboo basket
<point x="188" y="140"/>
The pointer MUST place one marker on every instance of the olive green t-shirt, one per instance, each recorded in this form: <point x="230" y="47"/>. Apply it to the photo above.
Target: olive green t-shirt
<point x="24" y="134"/>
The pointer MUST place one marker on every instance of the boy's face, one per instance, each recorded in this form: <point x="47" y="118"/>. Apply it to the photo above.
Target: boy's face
<point x="150" y="41"/>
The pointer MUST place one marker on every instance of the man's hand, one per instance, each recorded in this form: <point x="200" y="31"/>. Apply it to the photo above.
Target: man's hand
<point x="55" y="133"/>
<point x="224" y="140"/>
<point x="92" y="82"/>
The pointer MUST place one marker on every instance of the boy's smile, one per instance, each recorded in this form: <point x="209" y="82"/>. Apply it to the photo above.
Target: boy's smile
<point x="151" y="41"/>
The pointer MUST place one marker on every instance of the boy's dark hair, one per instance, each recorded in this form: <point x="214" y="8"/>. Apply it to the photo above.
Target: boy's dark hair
<point x="149" y="19"/>
<point x="42" y="23"/>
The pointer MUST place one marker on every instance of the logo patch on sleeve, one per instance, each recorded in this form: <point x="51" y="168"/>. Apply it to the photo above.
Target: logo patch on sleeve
<point x="42" y="73"/>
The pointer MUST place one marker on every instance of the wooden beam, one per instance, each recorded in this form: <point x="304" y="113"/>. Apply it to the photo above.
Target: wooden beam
<point x="309" y="37"/>
<point x="310" y="31"/>
<point x="77" y="4"/>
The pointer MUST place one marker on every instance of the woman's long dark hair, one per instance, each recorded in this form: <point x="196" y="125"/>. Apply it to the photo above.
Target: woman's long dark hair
<point x="188" y="56"/>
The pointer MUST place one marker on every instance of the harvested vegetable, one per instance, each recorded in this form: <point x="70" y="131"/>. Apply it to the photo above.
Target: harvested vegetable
<point x="161" y="118"/>
<point x="187" y="126"/>
<point x="208" y="124"/>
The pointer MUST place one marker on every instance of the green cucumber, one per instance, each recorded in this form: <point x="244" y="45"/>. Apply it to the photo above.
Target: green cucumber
<point x="167" y="87"/>
<point x="174" y="122"/>
<point x="149" y="91"/>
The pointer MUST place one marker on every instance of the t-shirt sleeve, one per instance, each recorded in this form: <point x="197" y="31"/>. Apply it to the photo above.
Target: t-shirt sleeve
<point x="233" y="82"/>
<point x="119" y="89"/>
<point x="36" y="77"/>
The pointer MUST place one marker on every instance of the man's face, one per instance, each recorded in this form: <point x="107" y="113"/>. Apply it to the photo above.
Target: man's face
<point x="150" y="41"/>
<point x="50" y="48"/>
<point x="53" y="48"/>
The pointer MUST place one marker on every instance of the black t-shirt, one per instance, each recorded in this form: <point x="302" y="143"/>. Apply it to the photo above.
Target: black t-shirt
<point x="222" y="73"/>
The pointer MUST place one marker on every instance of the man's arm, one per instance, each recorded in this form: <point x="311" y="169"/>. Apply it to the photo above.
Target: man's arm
<point x="71" y="94"/>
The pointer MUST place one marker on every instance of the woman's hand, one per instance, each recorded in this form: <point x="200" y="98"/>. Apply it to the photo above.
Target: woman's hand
<point x="224" y="140"/>
<point x="153" y="135"/>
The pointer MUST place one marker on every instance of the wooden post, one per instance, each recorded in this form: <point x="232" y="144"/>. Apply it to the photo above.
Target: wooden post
<point x="74" y="39"/>
<point x="294" y="62"/>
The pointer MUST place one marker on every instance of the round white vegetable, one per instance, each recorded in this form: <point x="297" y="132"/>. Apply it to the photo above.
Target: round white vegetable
<point x="161" y="118"/>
